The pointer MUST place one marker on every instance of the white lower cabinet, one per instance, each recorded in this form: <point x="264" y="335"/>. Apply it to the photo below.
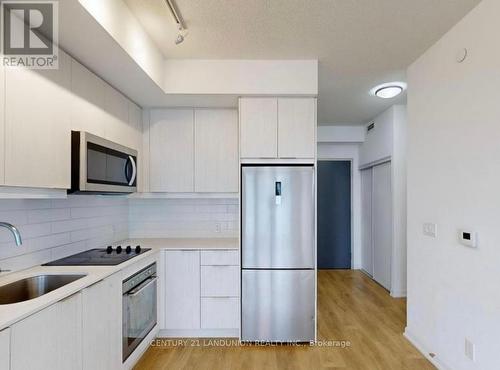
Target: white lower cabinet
<point x="224" y="257"/>
<point x="220" y="312"/>
<point x="49" y="339"/>
<point x="219" y="281"/>
<point x="101" y="325"/>
<point x="201" y="291"/>
<point x="182" y="289"/>
<point x="5" y="349"/>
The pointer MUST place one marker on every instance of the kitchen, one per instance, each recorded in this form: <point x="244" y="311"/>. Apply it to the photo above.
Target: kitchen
<point x="159" y="197"/>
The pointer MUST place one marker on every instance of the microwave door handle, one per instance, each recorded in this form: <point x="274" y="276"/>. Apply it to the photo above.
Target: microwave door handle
<point x="134" y="170"/>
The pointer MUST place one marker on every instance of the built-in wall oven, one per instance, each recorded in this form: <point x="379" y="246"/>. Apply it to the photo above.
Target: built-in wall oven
<point x="101" y="166"/>
<point x="139" y="308"/>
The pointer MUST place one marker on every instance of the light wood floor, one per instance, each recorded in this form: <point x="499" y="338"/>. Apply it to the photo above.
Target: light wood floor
<point x="351" y="308"/>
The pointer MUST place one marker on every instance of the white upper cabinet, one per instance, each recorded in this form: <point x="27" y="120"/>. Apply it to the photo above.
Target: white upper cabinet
<point x="278" y="128"/>
<point x="101" y="110"/>
<point x="216" y="150"/>
<point x="296" y="127"/>
<point x="49" y="339"/>
<point x="116" y="107"/>
<point x="37" y="126"/>
<point x="2" y="123"/>
<point x="259" y="127"/>
<point x="5" y="349"/>
<point x="171" y="135"/>
<point x="133" y="130"/>
<point x="87" y="106"/>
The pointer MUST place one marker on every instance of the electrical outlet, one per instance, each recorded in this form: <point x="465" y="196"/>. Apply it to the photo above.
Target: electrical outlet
<point x="218" y="227"/>
<point x="430" y="229"/>
<point x="470" y="350"/>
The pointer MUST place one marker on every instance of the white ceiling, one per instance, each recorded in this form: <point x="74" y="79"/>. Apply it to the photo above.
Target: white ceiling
<point x="359" y="43"/>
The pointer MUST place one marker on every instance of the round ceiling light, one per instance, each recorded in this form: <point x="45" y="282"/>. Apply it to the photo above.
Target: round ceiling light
<point x="389" y="90"/>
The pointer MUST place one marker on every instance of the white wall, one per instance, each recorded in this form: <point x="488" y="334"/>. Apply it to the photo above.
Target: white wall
<point x="454" y="181"/>
<point x="117" y="19"/>
<point x="53" y="229"/>
<point x="348" y="151"/>
<point x="399" y="210"/>
<point x="183" y="218"/>
<point x="241" y="77"/>
<point x="341" y="134"/>
<point x="378" y="143"/>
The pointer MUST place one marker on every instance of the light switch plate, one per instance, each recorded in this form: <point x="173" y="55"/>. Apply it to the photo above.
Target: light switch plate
<point x="470" y="350"/>
<point x="430" y="229"/>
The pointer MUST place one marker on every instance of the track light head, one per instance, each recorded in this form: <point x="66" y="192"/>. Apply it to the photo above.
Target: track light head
<point x="179" y="39"/>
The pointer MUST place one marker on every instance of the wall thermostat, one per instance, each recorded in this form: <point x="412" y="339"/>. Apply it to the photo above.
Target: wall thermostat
<point x="468" y="238"/>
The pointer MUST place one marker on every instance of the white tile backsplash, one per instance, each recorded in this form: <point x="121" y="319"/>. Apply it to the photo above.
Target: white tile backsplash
<point x="56" y="228"/>
<point x="183" y="218"/>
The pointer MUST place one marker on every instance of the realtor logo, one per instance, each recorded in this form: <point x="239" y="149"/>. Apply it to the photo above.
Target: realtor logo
<point x="29" y="34"/>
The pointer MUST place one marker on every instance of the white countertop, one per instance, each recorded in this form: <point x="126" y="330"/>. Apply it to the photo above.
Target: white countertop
<point x="12" y="313"/>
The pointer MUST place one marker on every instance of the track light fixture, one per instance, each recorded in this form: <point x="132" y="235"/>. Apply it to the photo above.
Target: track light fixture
<point x="181" y="26"/>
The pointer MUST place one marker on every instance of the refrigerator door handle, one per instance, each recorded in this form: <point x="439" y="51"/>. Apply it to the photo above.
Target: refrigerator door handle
<point x="277" y="192"/>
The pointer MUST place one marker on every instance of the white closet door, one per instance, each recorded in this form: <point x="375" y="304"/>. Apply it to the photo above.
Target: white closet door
<point x="366" y="221"/>
<point x="382" y="224"/>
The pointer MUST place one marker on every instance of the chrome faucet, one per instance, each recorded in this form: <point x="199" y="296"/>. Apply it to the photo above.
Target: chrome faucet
<point x="14" y="231"/>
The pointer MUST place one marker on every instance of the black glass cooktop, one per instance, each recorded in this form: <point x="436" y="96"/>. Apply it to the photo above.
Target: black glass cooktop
<point x="100" y="257"/>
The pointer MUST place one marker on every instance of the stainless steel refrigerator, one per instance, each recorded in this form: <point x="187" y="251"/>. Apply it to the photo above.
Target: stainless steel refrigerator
<point x="278" y="256"/>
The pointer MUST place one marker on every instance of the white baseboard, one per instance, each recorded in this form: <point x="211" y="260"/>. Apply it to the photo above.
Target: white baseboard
<point x="199" y="333"/>
<point x="365" y="272"/>
<point x="398" y="294"/>
<point x="424" y="351"/>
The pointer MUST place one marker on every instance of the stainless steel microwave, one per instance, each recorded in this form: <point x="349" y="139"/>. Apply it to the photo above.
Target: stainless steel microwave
<point x="101" y="166"/>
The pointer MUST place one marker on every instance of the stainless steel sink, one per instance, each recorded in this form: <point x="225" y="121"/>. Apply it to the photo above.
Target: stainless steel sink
<point x="33" y="287"/>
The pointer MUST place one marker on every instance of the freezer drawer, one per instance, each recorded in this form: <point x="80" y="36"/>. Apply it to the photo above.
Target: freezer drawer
<point x="277" y="217"/>
<point x="278" y="305"/>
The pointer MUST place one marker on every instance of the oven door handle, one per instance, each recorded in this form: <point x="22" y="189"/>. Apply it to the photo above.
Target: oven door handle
<point x="146" y="283"/>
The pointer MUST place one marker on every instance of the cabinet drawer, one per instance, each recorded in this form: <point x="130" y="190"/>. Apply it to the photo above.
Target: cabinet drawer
<point x="220" y="281"/>
<point x="225" y="257"/>
<point x="220" y="313"/>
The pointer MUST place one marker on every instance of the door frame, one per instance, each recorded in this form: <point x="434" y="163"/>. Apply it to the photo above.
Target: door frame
<point x="351" y="161"/>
